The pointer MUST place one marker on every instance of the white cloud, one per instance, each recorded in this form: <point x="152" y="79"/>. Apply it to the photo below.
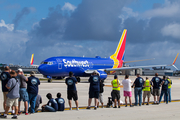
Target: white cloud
<point x="68" y="6"/>
<point x="10" y="27"/>
<point x="167" y="10"/>
<point x="171" y="30"/>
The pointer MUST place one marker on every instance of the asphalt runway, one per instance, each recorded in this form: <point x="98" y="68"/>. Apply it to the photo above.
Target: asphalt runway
<point x="162" y="111"/>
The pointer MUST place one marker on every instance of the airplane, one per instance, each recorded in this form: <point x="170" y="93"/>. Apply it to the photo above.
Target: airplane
<point x="59" y="67"/>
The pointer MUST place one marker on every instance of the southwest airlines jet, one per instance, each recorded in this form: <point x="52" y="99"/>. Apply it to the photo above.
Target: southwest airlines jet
<point x="59" y="67"/>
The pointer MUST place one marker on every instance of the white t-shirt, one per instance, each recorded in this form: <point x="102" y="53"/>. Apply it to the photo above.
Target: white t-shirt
<point x="126" y="84"/>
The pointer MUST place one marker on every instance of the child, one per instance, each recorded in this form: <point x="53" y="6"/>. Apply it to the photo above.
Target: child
<point x="60" y="101"/>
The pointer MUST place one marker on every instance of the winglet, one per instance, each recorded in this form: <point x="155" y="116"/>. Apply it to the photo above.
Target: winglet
<point x="32" y="59"/>
<point x="175" y="59"/>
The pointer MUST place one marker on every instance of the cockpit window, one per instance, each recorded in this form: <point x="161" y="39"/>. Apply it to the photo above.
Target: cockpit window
<point x="48" y="63"/>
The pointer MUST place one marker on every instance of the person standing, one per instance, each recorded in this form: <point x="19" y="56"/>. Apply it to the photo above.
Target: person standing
<point x="13" y="95"/>
<point x="32" y="89"/>
<point x="5" y="76"/>
<point x="147" y="91"/>
<point x="23" y="91"/>
<point x="169" y="89"/>
<point x="100" y="99"/>
<point x="127" y="90"/>
<point x="116" y="91"/>
<point x="94" y="89"/>
<point x="138" y="83"/>
<point x="164" y="89"/>
<point x="60" y="101"/>
<point x="156" y="81"/>
<point x="71" y="90"/>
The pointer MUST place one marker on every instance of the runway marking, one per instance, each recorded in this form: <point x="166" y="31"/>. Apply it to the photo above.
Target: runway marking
<point x="111" y="86"/>
<point x="105" y="106"/>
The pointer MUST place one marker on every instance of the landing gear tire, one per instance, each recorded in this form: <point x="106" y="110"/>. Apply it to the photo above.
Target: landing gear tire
<point x="49" y="80"/>
<point x="78" y="79"/>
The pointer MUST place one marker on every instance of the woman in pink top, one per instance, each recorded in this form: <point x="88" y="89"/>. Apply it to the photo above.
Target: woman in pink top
<point x="127" y="90"/>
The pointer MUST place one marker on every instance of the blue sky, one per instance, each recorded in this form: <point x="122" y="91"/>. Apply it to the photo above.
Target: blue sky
<point x="89" y="28"/>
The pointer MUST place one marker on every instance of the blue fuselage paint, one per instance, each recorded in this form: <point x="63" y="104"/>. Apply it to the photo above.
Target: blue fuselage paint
<point x="61" y="66"/>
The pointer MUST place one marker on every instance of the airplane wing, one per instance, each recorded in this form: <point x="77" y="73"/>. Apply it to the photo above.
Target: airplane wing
<point x="138" y="60"/>
<point x="130" y="68"/>
<point x="135" y="67"/>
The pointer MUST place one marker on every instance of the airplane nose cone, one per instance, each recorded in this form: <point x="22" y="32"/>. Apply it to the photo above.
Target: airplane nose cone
<point x="42" y="69"/>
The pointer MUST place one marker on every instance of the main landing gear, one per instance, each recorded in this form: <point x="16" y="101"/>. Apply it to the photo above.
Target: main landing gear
<point x="78" y="79"/>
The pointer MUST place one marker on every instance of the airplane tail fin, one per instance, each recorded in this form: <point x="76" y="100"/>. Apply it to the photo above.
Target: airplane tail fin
<point x="32" y="59"/>
<point x="118" y="56"/>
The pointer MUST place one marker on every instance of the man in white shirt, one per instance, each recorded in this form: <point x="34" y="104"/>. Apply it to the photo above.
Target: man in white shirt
<point x="127" y="90"/>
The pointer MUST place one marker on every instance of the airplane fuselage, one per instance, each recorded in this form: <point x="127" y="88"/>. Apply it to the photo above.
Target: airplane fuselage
<point x="61" y="66"/>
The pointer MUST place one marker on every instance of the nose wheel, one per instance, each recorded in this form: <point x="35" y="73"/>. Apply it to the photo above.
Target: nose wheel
<point x="49" y="80"/>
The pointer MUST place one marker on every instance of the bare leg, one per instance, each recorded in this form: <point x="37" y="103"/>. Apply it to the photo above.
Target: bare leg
<point x="115" y="102"/>
<point x="19" y="106"/>
<point x="96" y="101"/>
<point x="16" y="110"/>
<point x="98" y="104"/>
<point x="89" y="102"/>
<point x="154" y="99"/>
<point x="130" y="101"/>
<point x="148" y="100"/>
<point x="13" y="107"/>
<point x="70" y="103"/>
<point x="118" y="102"/>
<point x="76" y="102"/>
<point x="4" y="105"/>
<point x="6" y="110"/>
<point x="158" y="98"/>
<point x="143" y="100"/>
<point x="102" y="104"/>
<point x="126" y="100"/>
<point x="26" y="106"/>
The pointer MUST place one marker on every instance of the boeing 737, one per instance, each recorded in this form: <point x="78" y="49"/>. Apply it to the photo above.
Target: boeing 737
<point x="59" y="67"/>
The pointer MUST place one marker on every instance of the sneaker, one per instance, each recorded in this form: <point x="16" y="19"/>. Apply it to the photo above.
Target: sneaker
<point x="19" y="113"/>
<point x="26" y="113"/>
<point x="135" y="104"/>
<point x="14" y="117"/>
<point x="77" y="108"/>
<point x="131" y="106"/>
<point x="147" y="104"/>
<point x="2" y="116"/>
<point x="115" y="107"/>
<point x="70" y="108"/>
<point x="142" y="103"/>
<point x="88" y="108"/>
<point x="102" y="106"/>
<point x="125" y="105"/>
<point x="119" y="106"/>
<point x="95" y="108"/>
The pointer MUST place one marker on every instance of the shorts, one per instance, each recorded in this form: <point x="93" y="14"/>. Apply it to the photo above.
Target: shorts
<point x="12" y="102"/>
<point x="100" y="97"/>
<point x="127" y="94"/>
<point x="116" y="94"/>
<point x="155" y="92"/>
<point x="23" y="94"/>
<point x="5" y="95"/>
<point x="94" y="94"/>
<point x="146" y="93"/>
<point x="72" y="94"/>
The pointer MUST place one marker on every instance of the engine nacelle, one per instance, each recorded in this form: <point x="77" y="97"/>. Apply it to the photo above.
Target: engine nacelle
<point x="102" y="74"/>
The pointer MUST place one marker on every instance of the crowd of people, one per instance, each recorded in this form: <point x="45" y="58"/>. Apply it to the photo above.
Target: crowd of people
<point x="16" y="87"/>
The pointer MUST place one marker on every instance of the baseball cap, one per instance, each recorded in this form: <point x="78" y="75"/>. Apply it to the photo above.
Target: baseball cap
<point x="32" y="73"/>
<point x="20" y="70"/>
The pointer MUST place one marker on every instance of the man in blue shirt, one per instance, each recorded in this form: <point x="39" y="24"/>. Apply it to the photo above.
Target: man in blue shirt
<point x="138" y="83"/>
<point x="51" y="106"/>
<point x="60" y="101"/>
<point x="94" y="89"/>
<point x="156" y="81"/>
<point x="164" y="90"/>
<point x="71" y="90"/>
<point x="32" y="89"/>
<point x="5" y="76"/>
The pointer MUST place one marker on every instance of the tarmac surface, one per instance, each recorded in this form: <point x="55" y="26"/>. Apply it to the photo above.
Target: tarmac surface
<point x="156" y="112"/>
